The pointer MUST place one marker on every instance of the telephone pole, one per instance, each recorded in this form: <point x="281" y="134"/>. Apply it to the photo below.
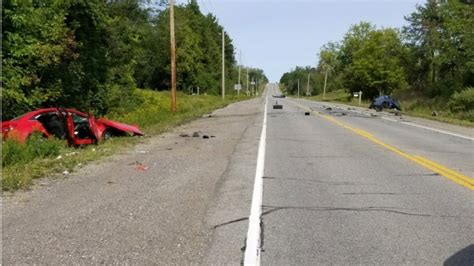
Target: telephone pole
<point x="307" y="85"/>
<point x="223" y="66"/>
<point x="325" y="81"/>
<point x="240" y="66"/>
<point x="247" y="81"/>
<point x="298" y="88"/>
<point x="173" y="58"/>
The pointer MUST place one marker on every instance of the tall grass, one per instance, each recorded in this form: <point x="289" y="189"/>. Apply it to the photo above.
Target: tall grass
<point x="39" y="157"/>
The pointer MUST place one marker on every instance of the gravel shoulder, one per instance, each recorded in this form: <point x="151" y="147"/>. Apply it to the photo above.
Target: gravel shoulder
<point x="160" y="202"/>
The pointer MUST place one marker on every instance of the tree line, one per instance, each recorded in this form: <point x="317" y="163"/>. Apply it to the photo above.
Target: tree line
<point x="93" y="54"/>
<point x="431" y="57"/>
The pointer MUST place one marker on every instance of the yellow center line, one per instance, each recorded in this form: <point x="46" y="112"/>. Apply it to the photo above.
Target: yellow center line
<point x="435" y="167"/>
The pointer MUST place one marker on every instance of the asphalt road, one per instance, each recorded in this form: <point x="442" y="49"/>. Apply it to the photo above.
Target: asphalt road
<point x="339" y="187"/>
<point x="332" y="196"/>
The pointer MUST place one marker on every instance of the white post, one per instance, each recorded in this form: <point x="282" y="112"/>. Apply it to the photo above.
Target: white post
<point x="360" y="96"/>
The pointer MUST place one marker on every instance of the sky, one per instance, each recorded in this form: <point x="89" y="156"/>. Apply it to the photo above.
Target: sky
<point x="277" y="35"/>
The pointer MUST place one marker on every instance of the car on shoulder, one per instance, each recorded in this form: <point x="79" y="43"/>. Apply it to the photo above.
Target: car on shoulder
<point x="76" y="127"/>
<point x="385" y="102"/>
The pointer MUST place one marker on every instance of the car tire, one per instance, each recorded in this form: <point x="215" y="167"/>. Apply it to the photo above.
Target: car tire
<point x="106" y="135"/>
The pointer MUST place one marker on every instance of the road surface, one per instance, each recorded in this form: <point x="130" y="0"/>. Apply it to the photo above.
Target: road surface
<point x="338" y="187"/>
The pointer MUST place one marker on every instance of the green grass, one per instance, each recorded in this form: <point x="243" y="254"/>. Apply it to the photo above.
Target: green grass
<point x="38" y="158"/>
<point x="412" y="105"/>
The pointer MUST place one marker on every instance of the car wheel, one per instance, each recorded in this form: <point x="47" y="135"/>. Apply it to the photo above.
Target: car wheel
<point x="107" y="135"/>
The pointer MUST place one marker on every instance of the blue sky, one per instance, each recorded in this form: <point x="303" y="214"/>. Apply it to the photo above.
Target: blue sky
<point x="277" y="35"/>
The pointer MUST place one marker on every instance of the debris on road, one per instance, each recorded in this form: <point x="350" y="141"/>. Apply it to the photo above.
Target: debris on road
<point x="277" y="106"/>
<point x="205" y="136"/>
<point x="196" y="135"/>
<point x="183" y="135"/>
<point x="140" y="167"/>
<point x="306" y="113"/>
<point x="66" y="172"/>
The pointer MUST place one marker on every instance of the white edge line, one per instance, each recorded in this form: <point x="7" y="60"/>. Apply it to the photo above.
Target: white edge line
<point x="425" y="127"/>
<point x="430" y="128"/>
<point x="252" y="246"/>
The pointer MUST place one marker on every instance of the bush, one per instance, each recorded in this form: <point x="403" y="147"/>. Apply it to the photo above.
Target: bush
<point x="463" y="101"/>
<point x="36" y="147"/>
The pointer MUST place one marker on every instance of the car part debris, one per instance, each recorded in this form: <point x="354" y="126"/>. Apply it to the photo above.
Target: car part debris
<point x="328" y="109"/>
<point x="205" y="136"/>
<point x="306" y="113"/>
<point x="184" y="135"/>
<point x="140" y="167"/>
<point x="277" y="106"/>
<point x="196" y="135"/>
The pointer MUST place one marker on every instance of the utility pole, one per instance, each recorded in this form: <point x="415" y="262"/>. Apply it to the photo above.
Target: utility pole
<point x="253" y="87"/>
<point x="173" y="58"/>
<point x="223" y="66"/>
<point x="307" y="85"/>
<point x="325" y="81"/>
<point x="298" y="88"/>
<point x="256" y="86"/>
<point x="247" y="81"/>
<point x="240" y="66"/>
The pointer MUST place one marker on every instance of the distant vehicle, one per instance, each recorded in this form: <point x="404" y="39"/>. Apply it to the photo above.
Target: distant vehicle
<point x="75" y="126"/>
<point x="279" y="96"/>
<point x="384" y="102"/>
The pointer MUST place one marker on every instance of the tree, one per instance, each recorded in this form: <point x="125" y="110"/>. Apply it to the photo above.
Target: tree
<point x="441" y="46"/>
<point x="376" y="67"/>
<point x="35" y="41"/>
<point x="370" y="60"/>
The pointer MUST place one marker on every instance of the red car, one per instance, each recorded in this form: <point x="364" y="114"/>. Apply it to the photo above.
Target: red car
<point x="77" y="127"/>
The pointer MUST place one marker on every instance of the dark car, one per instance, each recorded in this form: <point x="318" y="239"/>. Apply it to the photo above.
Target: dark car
<point x="279" y="96"/>
<point x="385" y="102"/>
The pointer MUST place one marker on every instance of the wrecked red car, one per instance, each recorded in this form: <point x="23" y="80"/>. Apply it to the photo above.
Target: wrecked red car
<point x="75" y="126"/>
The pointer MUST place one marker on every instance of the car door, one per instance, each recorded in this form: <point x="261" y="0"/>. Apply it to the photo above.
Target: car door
<point x="93" y="127"/>
<point x="73" y="140"/>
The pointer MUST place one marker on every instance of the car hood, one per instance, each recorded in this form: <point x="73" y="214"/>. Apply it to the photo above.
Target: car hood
<point x="120" y="126"/>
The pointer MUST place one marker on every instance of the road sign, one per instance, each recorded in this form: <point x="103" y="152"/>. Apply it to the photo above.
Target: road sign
<point x="237" y="87"/>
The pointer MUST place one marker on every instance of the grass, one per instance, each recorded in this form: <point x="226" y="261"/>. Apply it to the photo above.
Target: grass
<point x="412" y="105"/>
<point x="22" y="163"/>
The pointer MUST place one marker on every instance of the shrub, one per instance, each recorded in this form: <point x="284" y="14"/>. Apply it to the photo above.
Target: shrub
<point x="462" y="101"/>
<point x="35" y="147"/>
